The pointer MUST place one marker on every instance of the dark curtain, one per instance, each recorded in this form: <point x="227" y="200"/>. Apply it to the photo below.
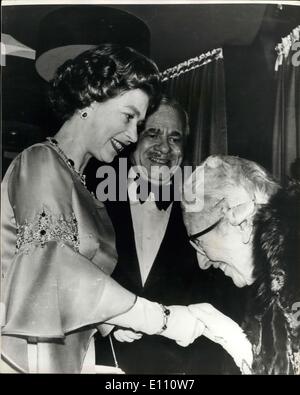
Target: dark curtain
<point x="286" y="132"/>
<point x="199" y="86"/>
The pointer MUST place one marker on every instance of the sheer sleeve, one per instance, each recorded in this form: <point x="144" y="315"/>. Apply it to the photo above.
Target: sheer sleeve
<point x="50" y="288"/>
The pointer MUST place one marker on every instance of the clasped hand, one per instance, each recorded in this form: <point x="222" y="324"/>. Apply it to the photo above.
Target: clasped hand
<point x="126" y="335"/>
<point x="187" y="323"/>
<point x="223" y="330"/>
<point x="182" y="326"/>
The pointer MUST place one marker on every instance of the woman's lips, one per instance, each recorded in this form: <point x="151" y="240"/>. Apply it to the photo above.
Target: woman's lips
<point x="117" y="145"/>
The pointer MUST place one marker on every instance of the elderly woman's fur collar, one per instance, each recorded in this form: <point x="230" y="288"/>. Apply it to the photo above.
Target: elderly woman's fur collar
<point x="276" y="330"/>
<point x="277" y="248"/>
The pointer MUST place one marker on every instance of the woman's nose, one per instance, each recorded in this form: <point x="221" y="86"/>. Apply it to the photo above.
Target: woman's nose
<point x="203" y="261"/>
<point x="132" y="135"/>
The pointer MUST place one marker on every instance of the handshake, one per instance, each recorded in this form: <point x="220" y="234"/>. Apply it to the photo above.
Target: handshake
<point x="184" y="325"/>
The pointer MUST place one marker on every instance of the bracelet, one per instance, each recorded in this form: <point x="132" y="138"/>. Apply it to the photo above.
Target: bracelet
<point x="166" y="315"/>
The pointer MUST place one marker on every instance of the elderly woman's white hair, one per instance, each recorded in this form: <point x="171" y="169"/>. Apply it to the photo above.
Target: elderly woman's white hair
<point x="224" y="185"/>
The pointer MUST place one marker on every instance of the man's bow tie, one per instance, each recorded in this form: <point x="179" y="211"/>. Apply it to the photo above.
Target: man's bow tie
<point x="159" y="191"/>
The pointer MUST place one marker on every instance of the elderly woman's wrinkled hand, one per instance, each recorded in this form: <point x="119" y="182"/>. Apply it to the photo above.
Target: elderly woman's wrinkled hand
<point x="224" y="331"/>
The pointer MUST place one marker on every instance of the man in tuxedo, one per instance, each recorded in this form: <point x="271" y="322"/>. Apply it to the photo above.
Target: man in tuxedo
<point x="156" y="260"/>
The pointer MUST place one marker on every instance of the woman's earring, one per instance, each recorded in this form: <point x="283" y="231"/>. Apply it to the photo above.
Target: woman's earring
<point x="83" y="115"/>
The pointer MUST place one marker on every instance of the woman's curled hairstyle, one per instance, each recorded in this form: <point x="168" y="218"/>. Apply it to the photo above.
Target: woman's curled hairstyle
<point x="100" y="74"/>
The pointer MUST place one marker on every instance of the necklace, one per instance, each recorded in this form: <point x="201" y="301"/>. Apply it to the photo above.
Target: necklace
<point x="69" y="162"/>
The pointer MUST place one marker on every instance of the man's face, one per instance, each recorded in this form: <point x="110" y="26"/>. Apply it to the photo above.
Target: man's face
<point x="160" y="145"/>
<point x="224" y="247"/>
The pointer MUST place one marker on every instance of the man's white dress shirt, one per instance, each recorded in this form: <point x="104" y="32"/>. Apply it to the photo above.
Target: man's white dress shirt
<point x="149" y="224"/>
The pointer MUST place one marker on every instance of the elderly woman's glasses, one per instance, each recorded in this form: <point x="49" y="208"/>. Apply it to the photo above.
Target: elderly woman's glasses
<point x="203" y="232"/>
<point x="194" y="238"/>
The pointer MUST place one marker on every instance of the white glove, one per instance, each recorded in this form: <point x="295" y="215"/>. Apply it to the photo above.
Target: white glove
<point x="148" y="317"/>
<point x="223" y="330"/>
<point x="182" y="326"/>
<point x="126" y="335"/>
<point x="144" y="316"/>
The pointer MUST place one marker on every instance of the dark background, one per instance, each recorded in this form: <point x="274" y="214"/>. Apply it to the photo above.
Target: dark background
<point x="248" y="34"/>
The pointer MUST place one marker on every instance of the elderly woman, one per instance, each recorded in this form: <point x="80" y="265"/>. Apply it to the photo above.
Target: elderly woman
<point x="242" y="222"/>
<point x="58" y="246"/>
